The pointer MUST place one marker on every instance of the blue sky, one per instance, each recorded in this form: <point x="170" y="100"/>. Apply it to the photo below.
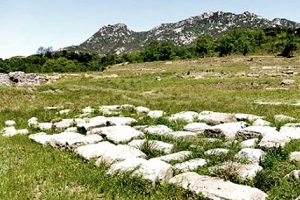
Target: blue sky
<point x="29" y="24"/>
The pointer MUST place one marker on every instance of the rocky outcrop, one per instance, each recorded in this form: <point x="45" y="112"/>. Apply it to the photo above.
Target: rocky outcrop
<point x="21" y="78"/>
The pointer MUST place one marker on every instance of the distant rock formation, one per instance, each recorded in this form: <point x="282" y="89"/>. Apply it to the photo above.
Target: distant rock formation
<point x="21" y="78"/>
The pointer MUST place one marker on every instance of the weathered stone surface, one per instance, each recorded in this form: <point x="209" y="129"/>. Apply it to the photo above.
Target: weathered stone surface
<point x="242" y="171"/>
<point x="62" y="139"/>
<point x="216" y="188"/>
<point x="94" y="150"/>
<point x="41" y="138"/>
<point x="141" y="109"/>
<point x="118" y="154"/>
<point x="190" y="165"/>
<point x="94" y="122"/>
<point x="152" y="170"/>
<point x="120" y="121"/>
<point x="155" y="113"/>
<point x="227" y="130"/>
<point x="216" y="151"/>
<point x="10" y="123"/>
<point x="249" y="143"/>
<point x="88" y="139"/>
<point x="174" y="156"/>
<point x="294" y="125"/>
<point x="33" y="122"/>
<point x="295" y="156"/>
<point x="181" y="134"/>
<point x="290" y="132"/>
<point x="283" y="118"/>
<point x="215" y="118"/>
<point x="253" y="156"/>
<point x="256" y="131"/>
<point x="261" y="122"/>
<point x="188" y="116"/>
<point x="72" y="129"/>
<point x="152" y="144"/>
<point x="273" y="141"/>
<point x="45" y="126"/>
<point x="157" y="130"/>
<point x="9" y="131"/>
<point x="196" y="127"/>
<point x="295" y="174"/>
<point x="20" y="78"/>
<point x="63" y="124"/>
<point x="249" y="117"/>
<point x="118" y="134"/>
<point x="287" y="82"/>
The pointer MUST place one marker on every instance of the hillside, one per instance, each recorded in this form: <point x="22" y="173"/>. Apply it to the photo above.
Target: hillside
<point x="120" y="39"/>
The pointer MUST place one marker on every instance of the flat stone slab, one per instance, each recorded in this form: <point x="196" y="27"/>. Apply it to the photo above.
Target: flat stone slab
<point x="227" y="130"/>
<point x="88" y="139"/>
<point x="94" y="150"/>
<point x="242" y="171"/>
<point x="120" y="121"/>
<point x="216" y="188"/>
<point x="118" y="134"/>
<point x="61" y="140"/>
<point x="174" y="156"/>
<point x="94" y="122"/>
<point x="261" y="122"/>
<point x="188" y="116"/>
<point x="249" y="143"/>
<point x="41" y="138"/>
<point x="256" y="131"/>
<point x="33" y="122"/>
<point x="153" y="144"/>
<point x="142" y="109"/>
<point x="253" y="156"/>
<point x="152" y="170"/>
<point x="290" y="132"/>
<point x="215" y="118"/>
<point x="295" y="156"/>
<point x="274" y="141"/>
<point x="155" y="114"/>
<point x="245" y="117"/>
<point x="118" y="154"/>
<point x="45" y="126"/>
<point x="196" y="127"/>
<point x="190" y="165"/>
<point x="217" y="151"/>
<point x="9" y="131"/>
<point x="63" y="124"/>
<point x="10" y="123"/>
<point x="181" y="134"/>
<point x="157" y="130"/>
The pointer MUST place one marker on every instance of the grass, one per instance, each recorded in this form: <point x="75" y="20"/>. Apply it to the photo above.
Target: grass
<point x="30" y="171"/>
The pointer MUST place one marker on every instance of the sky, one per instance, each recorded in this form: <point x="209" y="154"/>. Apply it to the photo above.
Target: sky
<point x="26" y="25"/>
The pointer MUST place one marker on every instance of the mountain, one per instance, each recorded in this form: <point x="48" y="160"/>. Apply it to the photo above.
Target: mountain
<point x="120" y="39"/>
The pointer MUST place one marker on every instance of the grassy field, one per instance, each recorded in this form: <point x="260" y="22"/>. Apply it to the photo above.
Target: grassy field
<point x="30" y="171"/>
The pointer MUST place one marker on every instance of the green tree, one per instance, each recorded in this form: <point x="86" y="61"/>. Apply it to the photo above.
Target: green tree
<point x="225" y="45"/>
<point x="204" y="46"/>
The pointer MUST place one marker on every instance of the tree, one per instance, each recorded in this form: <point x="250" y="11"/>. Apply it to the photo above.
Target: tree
<point x="204" y="45"/>
<point x="166" y="51"/>
<point x="225" y="45"/>
<point x="42" y="50"/>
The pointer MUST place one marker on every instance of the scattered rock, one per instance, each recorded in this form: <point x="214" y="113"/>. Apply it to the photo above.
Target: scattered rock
<point x="253" y="156"/>
<point x="245" y="117"/>
<point x="152" y="170"/>
<point x="9" y="131"/>
<point x="181" y="134"/>
<point x="141" y="109"/>
<point x="94" y="150"/>
<point x="10" y="123"/>
<point x="196" y="127"/>
<point x="41" y="138"/>
<point x="88" y="139"/>
<point x="249" y="143"/>
<point x="33" y="122"/>
<point x="215" y="118"/>
<point x="152" y="144"/>
<point x="190" y="165"/>
<point x="118" y="154"/>
<point x="45" y="126"/>
<point x="295" y="156"/>
<point x="65" y="111"/>
<point x="155" y="113"/>
<point x="256" y="131"/>
<point x="273" y="141"/>
<point x="227" y="130"/>
<point x="62" y="140"/>
<point x="63" y="124"/>
<point x="287" y="82"/>
<point x="216" y="188"/>
<point x="174" y="156"/>
<point x="188" y="116"/>
<point x="261" y="122"/>
<point x="120" y="121"/>
<point x="217" y="151"/>
<point x="157" y="130"/>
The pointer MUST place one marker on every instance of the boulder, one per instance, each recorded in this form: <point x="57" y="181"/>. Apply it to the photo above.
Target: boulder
<point x="216" y="188"/>
<point x="152" y="170"/>
<point x="152" y="144"/>
<point x="253" y="156"/>
<point x="118" y="154"/>
<point x="196" y="127"/>
<point x="188" y="116"/>
<point x="94" y="150"/>
<point x="190" y="165"/>
<point x="227" y="130"/>
<point x="274" y="141"/>
<point x="155" y="113"/>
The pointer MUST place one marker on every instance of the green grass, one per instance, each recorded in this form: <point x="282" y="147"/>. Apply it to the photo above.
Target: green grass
<point x="29" y="171"/>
